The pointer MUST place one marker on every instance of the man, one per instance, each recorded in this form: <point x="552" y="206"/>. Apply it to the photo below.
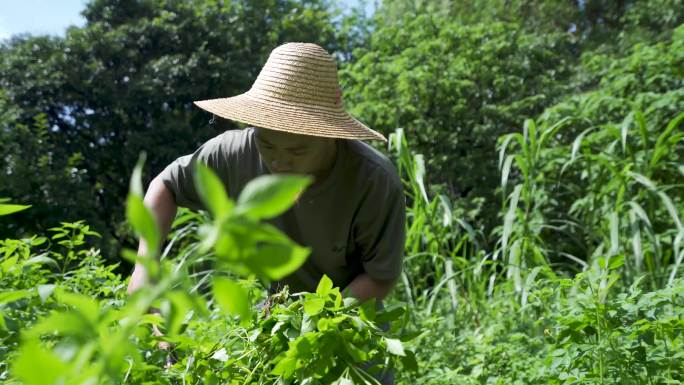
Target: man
<point x="352" y="216"/>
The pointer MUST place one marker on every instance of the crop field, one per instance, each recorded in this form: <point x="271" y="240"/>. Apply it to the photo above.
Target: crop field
<point x="543" y="173"/>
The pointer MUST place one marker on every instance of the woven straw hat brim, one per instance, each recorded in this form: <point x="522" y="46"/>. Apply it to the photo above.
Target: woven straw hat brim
<point x="297" y="118"/>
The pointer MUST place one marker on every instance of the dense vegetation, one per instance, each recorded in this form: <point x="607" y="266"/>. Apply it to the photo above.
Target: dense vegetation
<point x="542" y="151"/>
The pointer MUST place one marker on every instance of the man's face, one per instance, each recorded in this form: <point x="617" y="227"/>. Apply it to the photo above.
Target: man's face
<point x="288" y="153"/>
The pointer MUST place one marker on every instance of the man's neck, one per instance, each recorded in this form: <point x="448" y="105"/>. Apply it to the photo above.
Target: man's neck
<point x="329" y="163"/>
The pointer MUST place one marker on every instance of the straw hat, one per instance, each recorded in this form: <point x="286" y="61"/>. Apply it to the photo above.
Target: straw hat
<point x="296" y="91"/>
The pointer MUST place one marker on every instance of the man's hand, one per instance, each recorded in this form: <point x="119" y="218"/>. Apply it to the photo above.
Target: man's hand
<point x="163" y="345"/>
<point x="363" y="287"/>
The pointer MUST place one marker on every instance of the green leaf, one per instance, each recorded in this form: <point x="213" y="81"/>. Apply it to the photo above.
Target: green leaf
<point x="37" y="366"/>
<point x="270" y="195"/>
<point x="66" y="323"/>
<point x="324" y="286"/>
<point x="138" y="215"/>
<point x="624" y="130"/>
<point x="506" y="170"/>
<point x="614" y="233"/>
<point x="368" y="309"/>
<point x="85" y="305"/>
<point x="357" y="354"/>
<point x="232" y="297"/>
<point x="419" y="172"/>
<point x="409" y="361"/>
<point x="276" y="261"/>
<point x="313" y="306"/>
<point x="212" y="192"/>
<point x="40" y="259"/>
<point x="11" y="209"/>
<point x="285" y="367"/>
<point x="143" y="222"/>
<point x="389" y="314"/>
<point x="135" y="185"/>
<point x="394" y="346"/>
<point x="11" y="296"/>
<point x="180" y="306"/>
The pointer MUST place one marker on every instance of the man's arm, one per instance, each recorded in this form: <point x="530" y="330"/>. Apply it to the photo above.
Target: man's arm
<point x="160" y="202"/>
<point x="363" y="287"/>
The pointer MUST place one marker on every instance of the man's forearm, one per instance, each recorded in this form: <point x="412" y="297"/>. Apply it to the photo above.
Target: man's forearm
<point x="363" y="287"/>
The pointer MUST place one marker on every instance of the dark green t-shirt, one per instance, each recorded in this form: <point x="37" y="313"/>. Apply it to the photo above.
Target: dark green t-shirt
<point x="353" y="220"/>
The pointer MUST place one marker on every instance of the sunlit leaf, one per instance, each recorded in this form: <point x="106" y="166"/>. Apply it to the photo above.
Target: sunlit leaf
<point x="276" y="261"/>
<point x="37" y="366"/>
<point x="88" y="307"/>
<point x="143" y="222"/>
<point x="505" y="170"/>
<point x="14" y="295"/>
<point x="270" y="195"/>
<point x="324" y="286"/>
<point x="212" y="191"/>
<point x="231" y="297"/>
<point x="40" y="259"/>
<point x="285" y="367"/>
<point x="6" y="209"/>
<point x="181" y="304"/>
<point x="313" y="306"/>
<point x="139" y="216"/>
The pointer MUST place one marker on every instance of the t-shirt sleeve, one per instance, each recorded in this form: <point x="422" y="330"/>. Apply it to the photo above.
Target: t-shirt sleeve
<point x="380" y="226"/>
<point x="178" y="176"/>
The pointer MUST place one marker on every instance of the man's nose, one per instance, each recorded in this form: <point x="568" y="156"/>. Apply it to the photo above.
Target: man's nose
<point x="279" y="164"/>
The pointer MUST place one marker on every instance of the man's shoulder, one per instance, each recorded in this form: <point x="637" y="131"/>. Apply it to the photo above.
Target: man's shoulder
<point x="233" y="140"/>
<point x="372" y="162"/>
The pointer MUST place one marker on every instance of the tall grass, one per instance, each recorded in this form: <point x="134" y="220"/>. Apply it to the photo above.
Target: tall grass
<point x="607" y="193"/>
<point x="613" y="192"/>
<point x="583" y="284"/>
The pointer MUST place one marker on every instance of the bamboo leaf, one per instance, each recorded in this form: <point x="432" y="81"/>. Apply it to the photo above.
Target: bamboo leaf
<point x="577" y="143"/>
<point x="419" y="172"/>
<point x="505" y="171"/>
<point x="674" y="123"/>
<point x="614" y="238"/>
<point x="624" y="128"/>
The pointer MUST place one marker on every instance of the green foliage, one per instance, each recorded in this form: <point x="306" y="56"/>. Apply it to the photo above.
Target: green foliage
<point x="569" y="114"/>
<point x="437" y="235"/>
<point x="84" y="333"/>
<point x="590" y="22"/>
<point x="568" y="333"/>
<point x="454" y="89"/>
<point x="609" y="191"/>
<point x="648" y="78"/>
